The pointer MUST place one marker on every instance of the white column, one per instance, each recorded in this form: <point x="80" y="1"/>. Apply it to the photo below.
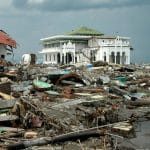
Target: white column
<point x="44" y="57"/>
<point x="121" y="52"/>
<point x="53" y="57"/>
<point x="49" y="58"/>
<point x="74" y="57"/>
<point x="56" y="59"/>
<point x="101" y="54"/>
<point x="64" y="58"/>
<point x="78" y="58"/>
<point x="107" y="56"/>
<point x="128" y="57"/>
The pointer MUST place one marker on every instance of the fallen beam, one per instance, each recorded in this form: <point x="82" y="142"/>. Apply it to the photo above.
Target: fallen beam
<point x="138" y="103"/>
<point x="58" y="139"/>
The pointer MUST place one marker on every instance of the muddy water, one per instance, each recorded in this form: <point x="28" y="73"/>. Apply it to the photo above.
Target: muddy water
<point x="142" y="139"/>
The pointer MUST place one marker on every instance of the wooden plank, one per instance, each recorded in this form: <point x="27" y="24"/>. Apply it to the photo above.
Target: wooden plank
<point x="10" y="129"/>
<point x="6" y="96"/>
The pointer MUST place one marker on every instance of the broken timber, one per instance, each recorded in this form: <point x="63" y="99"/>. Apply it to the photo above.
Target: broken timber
<point x="57" y="139"/>
<point x="47" y="120"/>
<point x="72" y="136"/>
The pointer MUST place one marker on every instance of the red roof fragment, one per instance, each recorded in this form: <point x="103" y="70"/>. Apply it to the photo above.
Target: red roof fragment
<point x="5" y="39"/>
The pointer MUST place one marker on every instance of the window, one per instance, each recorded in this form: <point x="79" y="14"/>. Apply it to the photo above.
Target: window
<point x="123" y="57"/>
<point x="118" y="58"/>
<point x="3" y="56"/>
<point x="105" y="56"/>
<point x="93" y="55"/>
<point x="45" y="57"/>
<point x="112" y="57"/>
<point x="49" y="57"/>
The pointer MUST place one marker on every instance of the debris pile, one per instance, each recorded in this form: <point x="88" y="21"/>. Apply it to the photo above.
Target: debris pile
<point x="72" y="106"/>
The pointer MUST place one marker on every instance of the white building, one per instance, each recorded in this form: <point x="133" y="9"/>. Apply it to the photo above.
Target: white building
<point x="85" y="45"/>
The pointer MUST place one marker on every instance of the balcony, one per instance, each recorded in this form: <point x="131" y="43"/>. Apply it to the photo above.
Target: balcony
<point x="115" y="43"/>
<point x="51" y="50"/>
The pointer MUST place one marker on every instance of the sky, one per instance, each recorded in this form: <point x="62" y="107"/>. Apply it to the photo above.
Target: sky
<point x="27" y="21"/>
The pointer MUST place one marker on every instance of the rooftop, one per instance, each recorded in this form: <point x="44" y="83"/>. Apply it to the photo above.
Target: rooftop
<point x="85" y="32"/>
<point x="66" y="37"/>
<point x="6" y="39"/>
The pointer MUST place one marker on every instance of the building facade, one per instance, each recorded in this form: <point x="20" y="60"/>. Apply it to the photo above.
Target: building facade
<point x="6" y="44"/>
<point x="85" y="45"/>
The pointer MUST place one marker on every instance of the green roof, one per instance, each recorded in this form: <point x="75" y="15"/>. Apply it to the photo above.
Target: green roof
<point x="85" y="31"/>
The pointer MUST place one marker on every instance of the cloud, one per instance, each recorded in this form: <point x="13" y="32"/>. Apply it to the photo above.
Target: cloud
<point x="65" y="5"/>
<point x="5" y="4"/>
<point x="35" y="1"/>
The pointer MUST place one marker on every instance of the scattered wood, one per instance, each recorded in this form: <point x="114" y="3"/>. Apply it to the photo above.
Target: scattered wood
<point x="47" y="120"/>
<point x="116" y="90"/>
<point x="58" y="139"/>
<point x="138" y="103"/>
<point x="123" y="128"/>
<point x="10" y="129"/>
<point x="30" y="134"/>
<point x="6" y="96"/>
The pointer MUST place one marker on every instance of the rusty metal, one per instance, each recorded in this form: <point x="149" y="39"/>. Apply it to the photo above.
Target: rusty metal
<point x="68" y="92"/>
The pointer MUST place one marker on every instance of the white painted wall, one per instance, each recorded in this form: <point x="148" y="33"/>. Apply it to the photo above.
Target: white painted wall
<point x="102" y="45"/>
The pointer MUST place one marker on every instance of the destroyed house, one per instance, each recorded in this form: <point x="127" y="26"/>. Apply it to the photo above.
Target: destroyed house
<point x="85" y="45"/>
<point x="6" y="44"/>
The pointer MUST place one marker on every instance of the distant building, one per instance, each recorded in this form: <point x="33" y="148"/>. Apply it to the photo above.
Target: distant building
<point x="6" y="44"/>
<point x="85" y="45"/>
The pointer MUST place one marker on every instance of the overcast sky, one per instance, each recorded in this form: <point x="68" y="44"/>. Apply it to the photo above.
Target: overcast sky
<point x="27" y="21"/>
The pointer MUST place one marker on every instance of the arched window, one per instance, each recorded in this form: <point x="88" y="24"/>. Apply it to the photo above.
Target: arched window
<point x="68" y="58"/>
<point x="123" y="57"/>
<point x="118" y="58"/>
<point x="49" y="57"/>
<point x="105" y="58"/>
<point x="112" y="57"/>
<point x="58" y="58"/>
<point x="93" y="55"/>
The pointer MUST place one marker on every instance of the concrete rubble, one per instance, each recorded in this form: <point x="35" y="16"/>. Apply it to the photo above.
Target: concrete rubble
<point x="72" y="107"/>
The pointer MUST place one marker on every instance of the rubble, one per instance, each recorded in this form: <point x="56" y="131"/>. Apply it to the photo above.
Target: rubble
<point x="54" y="106"/>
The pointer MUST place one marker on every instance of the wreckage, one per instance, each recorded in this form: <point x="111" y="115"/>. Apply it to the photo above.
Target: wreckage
<point x="72" y="107"/>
